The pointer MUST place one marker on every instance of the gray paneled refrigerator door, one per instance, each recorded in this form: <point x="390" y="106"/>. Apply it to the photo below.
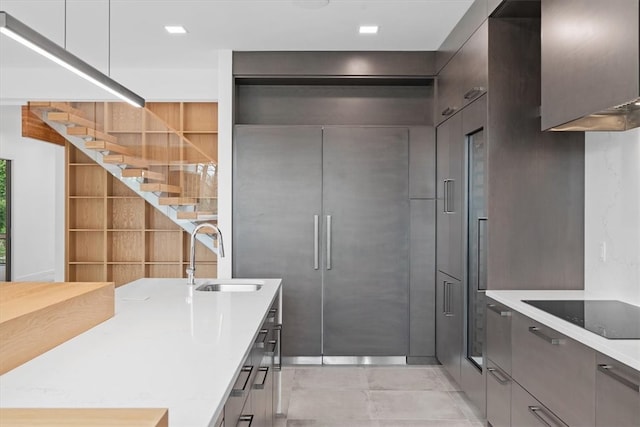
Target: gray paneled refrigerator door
<point x="366" y="283"/>
<point x="277" y="194"/>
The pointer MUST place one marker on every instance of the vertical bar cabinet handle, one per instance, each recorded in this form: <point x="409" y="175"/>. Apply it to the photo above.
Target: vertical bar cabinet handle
<point x="480" y="286"/>
<point x="328" y="242"/>
<point x="316" y="239"/>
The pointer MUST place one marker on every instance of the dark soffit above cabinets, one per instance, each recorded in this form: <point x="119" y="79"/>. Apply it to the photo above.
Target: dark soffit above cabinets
<point x="338" y="65"/>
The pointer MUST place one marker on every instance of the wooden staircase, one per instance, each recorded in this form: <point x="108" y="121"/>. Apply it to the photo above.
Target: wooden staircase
<point x="127" y="157"/>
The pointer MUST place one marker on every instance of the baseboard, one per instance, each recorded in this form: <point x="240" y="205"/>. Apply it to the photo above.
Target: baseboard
<point x="422" y="360"/>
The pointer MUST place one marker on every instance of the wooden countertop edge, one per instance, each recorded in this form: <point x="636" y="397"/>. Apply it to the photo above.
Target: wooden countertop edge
<point x="86" y="417"/>
<point x="20" y="298"/>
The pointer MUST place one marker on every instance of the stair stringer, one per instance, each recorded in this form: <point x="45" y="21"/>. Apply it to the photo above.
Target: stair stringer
<point x="134" y="185"/>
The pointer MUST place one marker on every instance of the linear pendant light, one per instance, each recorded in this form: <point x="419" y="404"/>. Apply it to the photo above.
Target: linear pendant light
<point x="20" y="32"/>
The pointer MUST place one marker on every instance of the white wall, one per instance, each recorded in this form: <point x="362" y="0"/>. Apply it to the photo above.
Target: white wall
<point x="18" y="85"/>
<point x="612" y="214"/>
<point x="37" y="201"/>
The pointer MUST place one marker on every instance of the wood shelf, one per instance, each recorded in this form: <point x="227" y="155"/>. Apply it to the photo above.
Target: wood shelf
<point x="112" y="233"/>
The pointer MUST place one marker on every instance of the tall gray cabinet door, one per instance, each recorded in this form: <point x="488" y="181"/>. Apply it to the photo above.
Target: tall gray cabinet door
<point x="277" y="194"/>
<point x="366" y="285"/>
<point x="450" y="195"/>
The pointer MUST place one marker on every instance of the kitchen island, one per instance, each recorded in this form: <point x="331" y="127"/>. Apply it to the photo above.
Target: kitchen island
<point x="168" y="346"/>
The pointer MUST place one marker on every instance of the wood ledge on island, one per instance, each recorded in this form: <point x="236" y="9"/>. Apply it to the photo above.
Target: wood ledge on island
<point x="38" y="316"/>
<point x="85" y="417"/>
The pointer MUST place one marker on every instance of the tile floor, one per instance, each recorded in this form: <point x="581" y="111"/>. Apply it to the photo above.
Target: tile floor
<point x="402" y="396"/>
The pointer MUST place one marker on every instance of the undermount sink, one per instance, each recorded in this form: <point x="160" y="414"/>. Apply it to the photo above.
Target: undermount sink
<point x="229" y="287"/>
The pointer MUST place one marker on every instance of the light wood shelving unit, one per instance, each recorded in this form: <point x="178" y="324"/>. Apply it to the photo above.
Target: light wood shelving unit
<point x="112" y="233"/>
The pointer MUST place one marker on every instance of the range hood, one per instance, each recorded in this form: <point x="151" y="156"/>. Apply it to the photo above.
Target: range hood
<point x="590" y="65"/>
<point x="621" y="118"/>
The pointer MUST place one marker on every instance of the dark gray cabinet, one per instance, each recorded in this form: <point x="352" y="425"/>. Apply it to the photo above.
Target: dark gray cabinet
<point x="327" y="209"/>
<point x="498" y="396"/>
<point x="277" y="202"/>
<point x="449" y="323"/>
<point x="590" y="63"/>
<point x="498" y="348"/>
<point x="617" y="394"/>
<point x="475" y="72"/>
<point x="366" y="235"/>
<point x="557" y="370"/>
<point x="450" y="192"/>
<point x="450" y="90"/>
<point x="527" y="411"/>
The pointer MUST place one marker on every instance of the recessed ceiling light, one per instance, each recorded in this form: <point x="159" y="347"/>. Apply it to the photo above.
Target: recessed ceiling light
<point x="175" y="29"/>
<point x="368" y="29"/>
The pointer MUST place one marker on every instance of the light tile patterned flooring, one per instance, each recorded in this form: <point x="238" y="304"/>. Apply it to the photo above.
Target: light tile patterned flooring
<point x="346" y="396"/>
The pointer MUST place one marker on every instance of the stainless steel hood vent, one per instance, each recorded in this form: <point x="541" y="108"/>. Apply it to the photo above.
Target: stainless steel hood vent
<point x="620" y="118"/>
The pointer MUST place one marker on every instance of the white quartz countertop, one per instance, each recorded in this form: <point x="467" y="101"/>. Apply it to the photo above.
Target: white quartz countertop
<point x="167" y="346"/>
<point x="625" y="351"/>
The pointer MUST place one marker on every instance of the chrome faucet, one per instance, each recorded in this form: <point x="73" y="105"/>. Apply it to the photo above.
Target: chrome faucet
<point x="191" y="270"/>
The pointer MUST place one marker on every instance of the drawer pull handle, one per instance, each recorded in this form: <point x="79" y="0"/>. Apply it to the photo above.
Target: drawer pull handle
<point x="272" y="314"/>
<point x="260" y="342"/>
<point x="246" y="419"/>
<point x="553" y="341"/>
<point x="278" y="358"/>
<point x="272" y="345"/>
<point x="494" y="373"/>
<point x="239" y="392"/>
<point x="260" y="386"/>
<point x="537" y="412"/>
<point x="474" y="93"/>
<point x="610" y="371"/>
<point x="448" y="111"/>
<point x="495" y="309"/>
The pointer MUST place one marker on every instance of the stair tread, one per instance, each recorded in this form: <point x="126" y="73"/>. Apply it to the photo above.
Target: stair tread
<point x="196" y="215"/>
<point x="177" y="201"/>
<point x="142" y="173"/>
<point x="58" y="106"/>
<point x="109" y="146"/>
<point x="120" y="159"/>
<point x="162" y="188"/>
<point x="92" y="133"/>
<point x="69" y="118"/>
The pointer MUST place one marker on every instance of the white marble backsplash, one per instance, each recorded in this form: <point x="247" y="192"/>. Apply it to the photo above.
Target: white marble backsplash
<point x="612" y="214"/>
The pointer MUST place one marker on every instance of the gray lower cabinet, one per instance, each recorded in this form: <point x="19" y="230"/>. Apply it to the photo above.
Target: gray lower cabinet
<point x="251" y="402"/>
<point x="527" y="411"/>
<point x="327" y="209"/>
<point x="617" y="394"/>
<point x="449" y="323"/>
<point x="557" y="370"/>
<point x="498" y="348"/>
<point x="498" y="396"/>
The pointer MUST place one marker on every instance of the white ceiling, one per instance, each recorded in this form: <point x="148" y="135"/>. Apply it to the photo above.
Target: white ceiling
<point x="138" y="38"/>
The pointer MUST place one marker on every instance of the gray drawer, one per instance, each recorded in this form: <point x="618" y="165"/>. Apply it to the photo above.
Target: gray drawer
<point x="498" y="396"/>
<point x="557" y="370"/>
<point x="499" y="335"/>
<point x="527" y="411"/>
<point x="617" y="396"/>
<point x="240" y="393"/>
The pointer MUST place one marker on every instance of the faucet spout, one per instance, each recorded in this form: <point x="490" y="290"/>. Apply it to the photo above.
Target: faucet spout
<point x="191" y="270"/>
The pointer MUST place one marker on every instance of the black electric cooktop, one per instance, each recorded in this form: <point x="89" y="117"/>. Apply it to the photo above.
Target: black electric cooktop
<point x="611" y="319"/>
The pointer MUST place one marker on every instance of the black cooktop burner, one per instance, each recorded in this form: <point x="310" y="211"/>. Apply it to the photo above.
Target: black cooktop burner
<point x="610" y="319"/>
